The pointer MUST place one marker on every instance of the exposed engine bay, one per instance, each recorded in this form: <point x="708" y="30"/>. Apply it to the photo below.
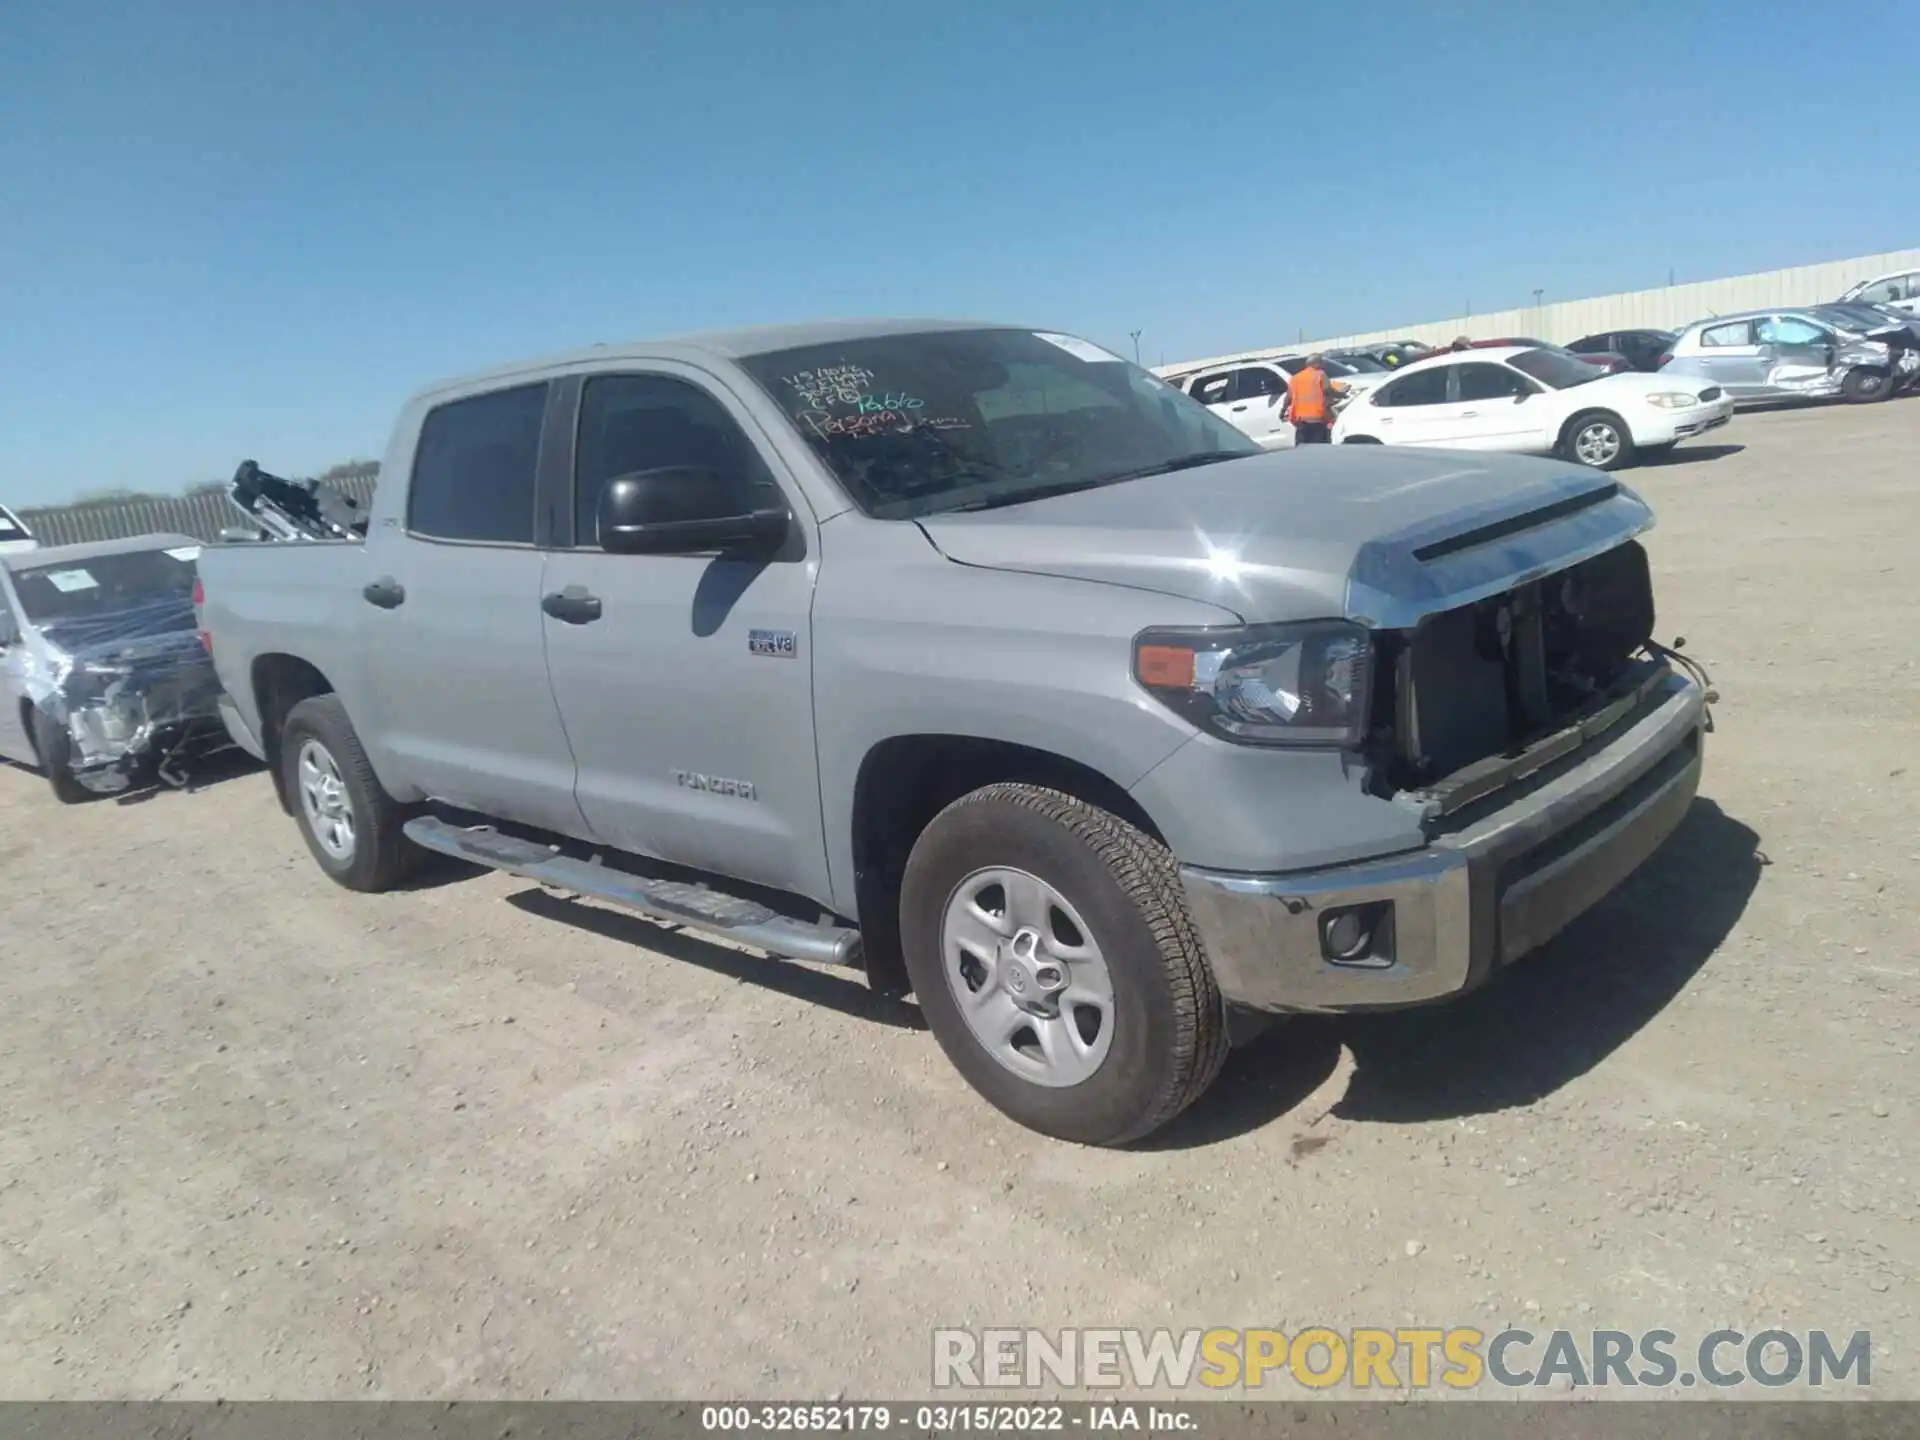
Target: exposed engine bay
<point x="1482" y="695"/>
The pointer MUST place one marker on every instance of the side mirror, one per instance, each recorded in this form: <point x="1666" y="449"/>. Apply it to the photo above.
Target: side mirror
<point x="1523" y="397"/>
<point x="686" y="510"/>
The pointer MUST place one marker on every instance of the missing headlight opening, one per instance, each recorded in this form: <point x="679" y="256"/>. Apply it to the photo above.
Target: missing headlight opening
<point x="1481" y="684"/>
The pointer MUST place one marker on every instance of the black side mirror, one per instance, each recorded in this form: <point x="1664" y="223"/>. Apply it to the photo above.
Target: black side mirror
<point x="686" y="510"/>
<point x="1522" y="397"/>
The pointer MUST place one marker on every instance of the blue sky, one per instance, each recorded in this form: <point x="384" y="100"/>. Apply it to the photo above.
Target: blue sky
<point x="233" y="230"/>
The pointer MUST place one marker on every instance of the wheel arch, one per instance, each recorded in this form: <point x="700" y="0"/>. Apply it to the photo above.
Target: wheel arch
<point x="905" y="780"/>
<point x="281" y="682"/>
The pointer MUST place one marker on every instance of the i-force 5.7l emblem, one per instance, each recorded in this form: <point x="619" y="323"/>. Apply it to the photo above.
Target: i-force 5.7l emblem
<point x="780" y="644"/>
<point x="714" y="784"/>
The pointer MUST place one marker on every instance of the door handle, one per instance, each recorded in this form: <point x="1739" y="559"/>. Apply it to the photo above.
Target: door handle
<point x="1238" y="408"/>
<point x="386" y="592"/>
<point x="1469" y="414"/>
<point x="573" y="605"/>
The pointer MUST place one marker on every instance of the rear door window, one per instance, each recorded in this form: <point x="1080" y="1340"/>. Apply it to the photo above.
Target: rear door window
<point x="1720" y="337"/>
<point x="1214" y="389"/>
<point x="1423" y="387"/>
<point x="473" y="470"/>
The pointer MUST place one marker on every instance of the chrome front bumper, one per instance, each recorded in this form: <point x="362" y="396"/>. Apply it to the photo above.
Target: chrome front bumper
<point x="1477" y="897"/>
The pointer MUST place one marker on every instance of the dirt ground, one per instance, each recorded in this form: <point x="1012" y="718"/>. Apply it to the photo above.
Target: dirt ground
<point x="266" y="1138"/>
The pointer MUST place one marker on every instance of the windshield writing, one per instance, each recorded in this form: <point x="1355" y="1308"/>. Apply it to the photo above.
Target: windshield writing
<point x="915" y="424"/>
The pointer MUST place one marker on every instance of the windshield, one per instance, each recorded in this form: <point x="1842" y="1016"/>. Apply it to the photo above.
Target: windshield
<point x="1358" y="364"/>
<point x="917" y="424"/>
<point x="1556" y="368"/>
<point x="104" y="585"/>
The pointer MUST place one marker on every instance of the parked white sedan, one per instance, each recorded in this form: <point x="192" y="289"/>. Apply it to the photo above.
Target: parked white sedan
<point x="1538" y="401"/>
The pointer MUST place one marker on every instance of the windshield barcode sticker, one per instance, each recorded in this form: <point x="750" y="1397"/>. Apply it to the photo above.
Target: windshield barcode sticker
<point x="1078" y="348"/>
<point x="68" y="581"/>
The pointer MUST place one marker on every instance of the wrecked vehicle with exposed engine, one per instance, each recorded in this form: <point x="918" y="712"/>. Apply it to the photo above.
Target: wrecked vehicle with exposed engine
<point x="1857" y="353"/>
<point x="107" y="685"/>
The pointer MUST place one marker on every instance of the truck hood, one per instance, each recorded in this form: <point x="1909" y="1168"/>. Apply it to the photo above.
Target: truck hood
<point x="1380" y="535"/>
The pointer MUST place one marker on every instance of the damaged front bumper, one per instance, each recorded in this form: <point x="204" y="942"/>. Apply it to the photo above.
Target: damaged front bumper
<point x="1491" y="884"/>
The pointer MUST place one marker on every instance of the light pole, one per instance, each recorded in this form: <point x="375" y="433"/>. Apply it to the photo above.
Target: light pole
<point x="1136" y="345"/>
<point x="1536" y="298"/>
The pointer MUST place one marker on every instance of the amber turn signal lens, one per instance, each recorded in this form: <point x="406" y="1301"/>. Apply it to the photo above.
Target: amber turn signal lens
<point x="1168" y="666"/>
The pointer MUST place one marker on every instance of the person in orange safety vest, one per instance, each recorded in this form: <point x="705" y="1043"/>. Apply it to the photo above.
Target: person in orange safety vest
<point x="1310" y="395"/>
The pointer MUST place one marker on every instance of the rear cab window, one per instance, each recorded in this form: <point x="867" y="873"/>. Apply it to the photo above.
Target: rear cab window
<point x="474" y="468"/>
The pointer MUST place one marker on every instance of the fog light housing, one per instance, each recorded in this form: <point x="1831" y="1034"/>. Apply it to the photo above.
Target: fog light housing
<point x="1358" y="936"/>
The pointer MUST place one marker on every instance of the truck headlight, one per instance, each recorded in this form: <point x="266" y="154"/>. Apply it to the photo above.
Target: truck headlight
<point x="1673" y="399"/>
<point x="1263" y="684"/>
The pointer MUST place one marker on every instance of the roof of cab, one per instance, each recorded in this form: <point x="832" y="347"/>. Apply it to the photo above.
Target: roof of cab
<point x="727" y="345"/>
<point x="93" y="550"/>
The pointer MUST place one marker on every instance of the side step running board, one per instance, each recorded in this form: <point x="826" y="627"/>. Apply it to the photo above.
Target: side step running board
<point x="674" y="901"/>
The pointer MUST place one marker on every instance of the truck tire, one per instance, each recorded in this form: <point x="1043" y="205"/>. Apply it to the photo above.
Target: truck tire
<point x="350" y="823"/>
<point x="54" y="748"/>
<point x="1050" y="948"/>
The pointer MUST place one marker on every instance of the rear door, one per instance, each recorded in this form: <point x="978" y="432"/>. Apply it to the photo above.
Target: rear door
<point x="1413" y="408"/>
<point x="14" y="741"/>
<point x="688" y="696"/>
<point x="1731" y="357"/>
<point x="451" y="622"/>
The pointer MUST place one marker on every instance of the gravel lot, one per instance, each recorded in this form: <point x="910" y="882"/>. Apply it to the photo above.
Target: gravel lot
<point x="266" y="1138"/>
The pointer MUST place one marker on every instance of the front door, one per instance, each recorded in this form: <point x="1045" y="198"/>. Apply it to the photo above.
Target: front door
<point x="1798" y="352"/>
<point x="1733" y="359"/>
<point x="1495" y="408"/>
<point x="688" y="698"/>
<point x="451" y="627"/>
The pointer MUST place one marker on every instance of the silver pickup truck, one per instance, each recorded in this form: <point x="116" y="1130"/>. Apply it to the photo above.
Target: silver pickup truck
<point x="985" y="660"/>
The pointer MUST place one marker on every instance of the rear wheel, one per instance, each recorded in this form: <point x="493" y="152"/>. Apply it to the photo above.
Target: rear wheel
<point x="350" y="823"/>
<point x="1050" y="948"/>
<point x="1862" y="386"/>
<point x="1598" y="438"/>
<point x="54" y="747"/>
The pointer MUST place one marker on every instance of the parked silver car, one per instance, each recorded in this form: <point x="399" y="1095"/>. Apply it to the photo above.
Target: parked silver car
<point x="103" y="678"/>
<point x="1854" y="352"/>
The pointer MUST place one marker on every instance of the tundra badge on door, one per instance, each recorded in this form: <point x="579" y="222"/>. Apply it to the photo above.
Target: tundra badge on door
<point x="780" y="644"/>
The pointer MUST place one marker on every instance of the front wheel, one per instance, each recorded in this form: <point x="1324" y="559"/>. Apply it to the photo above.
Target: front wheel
<point x="1050" y="948"/>
<point x="350" y="823"/>
<point x="54" y="748"/>
<point x="1598" y="438"/>
<point x="1862" y="386"/>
